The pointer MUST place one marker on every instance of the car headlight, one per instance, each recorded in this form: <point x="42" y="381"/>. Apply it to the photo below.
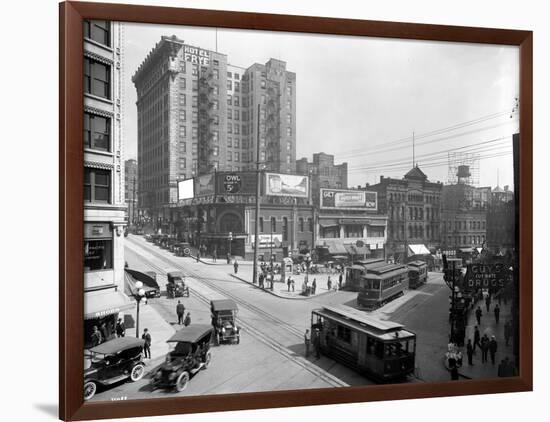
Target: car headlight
<point x="237" y="329"/>
<point x="223" y="330"/>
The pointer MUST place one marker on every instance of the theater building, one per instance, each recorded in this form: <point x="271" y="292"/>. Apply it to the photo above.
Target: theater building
<point x="221" y="216"/>
<point x="104" y="201"/>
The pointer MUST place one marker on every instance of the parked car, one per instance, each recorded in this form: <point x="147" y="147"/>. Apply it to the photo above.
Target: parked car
<point x="182" y="249"/>
<point x="149" y="280"/>
<point x="190" y="354"/>
<point x="176" y="286"/>
<point x="111" y="362"/>
<point x="224" y="321"/>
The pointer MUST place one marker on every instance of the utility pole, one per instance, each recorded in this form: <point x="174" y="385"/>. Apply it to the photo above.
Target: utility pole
<point x="257" y="216"/>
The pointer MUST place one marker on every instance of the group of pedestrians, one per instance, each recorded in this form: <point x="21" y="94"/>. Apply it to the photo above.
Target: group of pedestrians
<point x="487" y="343"/>
<point x="180" y="312"/>
<point x="313" y="339"/>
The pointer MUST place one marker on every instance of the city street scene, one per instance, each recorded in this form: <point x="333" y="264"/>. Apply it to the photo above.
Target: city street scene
<point x="277" y="211"/>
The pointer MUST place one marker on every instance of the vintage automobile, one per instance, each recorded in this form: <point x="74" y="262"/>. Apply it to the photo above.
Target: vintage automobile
<point x="224" y="316"/>
<point x="149" y="280"/>
<point x="182" y="249"/>
<point x="176" y="286"/>
<point x="190" y="354"/>
<point x="111" y="362"/>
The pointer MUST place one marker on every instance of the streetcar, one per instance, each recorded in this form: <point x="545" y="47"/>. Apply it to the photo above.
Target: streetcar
<point x="382" y="284"/>
<point x="382" y="350"/>
<point x="418" y="274"/>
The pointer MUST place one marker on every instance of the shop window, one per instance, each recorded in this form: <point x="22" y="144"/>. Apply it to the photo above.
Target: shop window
<point x="97" y="185"/>
<point x="97" y="78"/>
<point x="353" y="230"/>
<point x="97" y="132"/>
<point x="98" y="254"/>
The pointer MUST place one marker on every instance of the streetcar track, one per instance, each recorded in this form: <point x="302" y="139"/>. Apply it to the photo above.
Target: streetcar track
<point x="270" y="342"/>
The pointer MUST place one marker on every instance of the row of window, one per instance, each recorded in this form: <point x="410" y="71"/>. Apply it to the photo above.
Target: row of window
<point x="465" y="225"/>
<point x="415" y="213"/>
<point x="466" y="240"/>
<point x="351" y="231"/>
<point x="413" y="197"/>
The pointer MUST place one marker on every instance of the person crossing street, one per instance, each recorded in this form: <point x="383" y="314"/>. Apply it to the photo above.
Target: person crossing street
<point x="147" y="345"/>
<point x="180" y="311"/>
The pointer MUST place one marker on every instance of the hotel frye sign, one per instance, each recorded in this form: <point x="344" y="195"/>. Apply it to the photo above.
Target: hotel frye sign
<point x="196" y="55"/>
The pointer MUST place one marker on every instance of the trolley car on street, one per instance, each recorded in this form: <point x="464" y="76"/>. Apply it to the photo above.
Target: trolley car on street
<point x="382" y="284"/>
<point x="418" y="274"/>
<point x="382" y="350"/>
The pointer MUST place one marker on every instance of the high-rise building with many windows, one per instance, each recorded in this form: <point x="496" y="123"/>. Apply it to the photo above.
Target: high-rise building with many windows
<point x="198" y="114"/>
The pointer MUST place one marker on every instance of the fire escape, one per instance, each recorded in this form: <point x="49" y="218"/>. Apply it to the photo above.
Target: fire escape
<point x="206" y="118"/>
<point x="272" y="126"/>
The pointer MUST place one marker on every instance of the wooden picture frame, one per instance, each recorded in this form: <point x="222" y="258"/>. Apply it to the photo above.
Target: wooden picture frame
<point x="72" y="406"/>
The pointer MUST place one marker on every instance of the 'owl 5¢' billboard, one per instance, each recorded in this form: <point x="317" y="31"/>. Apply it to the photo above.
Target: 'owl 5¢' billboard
<point x="349" y="199"/>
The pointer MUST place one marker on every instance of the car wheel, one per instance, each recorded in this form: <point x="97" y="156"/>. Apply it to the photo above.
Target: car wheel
<point x="181" y="382"/>
<point x="207" y="360"/>
<point x="90" y="388"/>
<point x="137" y="372"/>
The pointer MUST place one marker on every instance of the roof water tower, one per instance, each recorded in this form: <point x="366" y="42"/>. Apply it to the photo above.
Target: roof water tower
<point x="463" y="174"/>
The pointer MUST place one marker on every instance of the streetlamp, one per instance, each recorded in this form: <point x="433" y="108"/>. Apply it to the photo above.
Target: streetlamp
<point x="138" y="294"/>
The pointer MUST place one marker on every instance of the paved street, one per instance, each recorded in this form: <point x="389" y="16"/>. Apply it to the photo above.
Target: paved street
<point x="270" y="355"/>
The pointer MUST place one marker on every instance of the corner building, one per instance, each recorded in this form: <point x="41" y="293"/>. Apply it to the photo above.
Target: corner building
<point x="198" y="114"/>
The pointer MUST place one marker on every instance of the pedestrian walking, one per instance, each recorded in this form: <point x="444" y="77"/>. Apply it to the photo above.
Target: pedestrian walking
<point x="329" y="284"/>
<point x="147" y="345"/>
<point x="484" y="348"/>
<point x="507" y="331"/>
<point x="493" y="345"/>
<point x="470" y="351"/>
<point x="236" y="266"/>
<point x="187" y="319"/>
<point x="288" y="283"/>
<point x="477" y="338"/>
<point x="313" y="286"/>
<point x="479" y="313"/>
<point x="488" y="302"/>
<point x="307" y="341"/>
<point x="215" y="256"/>
<point x="340" y="279"/>
<point x="497" y="313"/>
<point x="292" y="284"/>
<point x="120" y="328"/>
<point x="180" y="311"/>
<point x="228" y="256"/>
<point x="261" y="280"/>
<point x="97" y="338"/>
<point x="198" y="256"/>
<point x="105" y="332"/>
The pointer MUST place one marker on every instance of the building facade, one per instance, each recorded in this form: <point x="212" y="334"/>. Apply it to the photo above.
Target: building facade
<point x="413" y="207"/>
<point x="104" y="198"/>
<point x="198" y="114"/>
<point x="501" y="221"/>
<point x="323" y="173"/>
<point x="130" y="190"/>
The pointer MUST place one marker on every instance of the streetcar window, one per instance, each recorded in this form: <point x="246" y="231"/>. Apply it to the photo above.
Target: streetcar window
<point x="378" y="349"/>
<point x="370" y="345"/>
<point x="344" y="334"/>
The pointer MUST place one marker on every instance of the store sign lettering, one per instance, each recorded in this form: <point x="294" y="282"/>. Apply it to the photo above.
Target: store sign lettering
<point x="491" y="276"/>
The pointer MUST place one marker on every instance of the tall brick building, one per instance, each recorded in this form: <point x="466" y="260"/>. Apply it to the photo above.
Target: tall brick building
<point x="197" y="114"/>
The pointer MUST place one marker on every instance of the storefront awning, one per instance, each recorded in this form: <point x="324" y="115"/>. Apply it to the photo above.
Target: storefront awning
<point x="418" y="250"/>
<point x="328" y="222"/>
<point x="377" y="223"/>
<point x="101" y="303"/>
<point x="336" y="248"/>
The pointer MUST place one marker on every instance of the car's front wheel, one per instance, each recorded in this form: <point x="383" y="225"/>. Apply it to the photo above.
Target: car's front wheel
<point x="90" y="388"/>
<point x="207" y="360"/>
<point x="137" y="372"/>
<point x="181" y="382"/>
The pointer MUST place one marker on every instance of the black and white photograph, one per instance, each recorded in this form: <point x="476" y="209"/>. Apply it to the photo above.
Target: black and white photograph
<point x="270" y="211"/>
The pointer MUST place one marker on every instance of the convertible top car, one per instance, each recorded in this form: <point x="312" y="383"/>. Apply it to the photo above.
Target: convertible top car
<point x="224" y="321"/>
<point x="111" y="362"/>
<point x="190" y="354"/>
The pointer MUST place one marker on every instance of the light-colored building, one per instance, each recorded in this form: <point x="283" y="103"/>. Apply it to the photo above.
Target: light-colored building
<point x="130" y="190"/>
<point x="104" y="202"/>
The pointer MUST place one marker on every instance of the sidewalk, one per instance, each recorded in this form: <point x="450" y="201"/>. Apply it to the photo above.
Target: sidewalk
<point x="281" y="288"/>
<point x="491" y="328"/>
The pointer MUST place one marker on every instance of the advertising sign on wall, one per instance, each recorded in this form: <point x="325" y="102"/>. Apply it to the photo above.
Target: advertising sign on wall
<point x="269" y="240"/>
<point x="204" y="185"/>
<point x="277" y="184"/>
<point x="186" y="189"/>
<point x="349" y="199"/>
<point x="236" y="183"/>
<point x="196" y="55"/>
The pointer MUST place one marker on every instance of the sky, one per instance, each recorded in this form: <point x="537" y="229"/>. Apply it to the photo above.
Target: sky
<point x="362" y="99"/>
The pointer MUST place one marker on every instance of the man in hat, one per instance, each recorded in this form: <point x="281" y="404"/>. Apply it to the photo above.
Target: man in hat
<point x="493" y="348"/>
<point x="180" y="311"/>
<point x="120" y="328"/>
<point x="147" y="346"/>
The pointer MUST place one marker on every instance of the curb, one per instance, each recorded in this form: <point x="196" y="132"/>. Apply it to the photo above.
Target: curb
<point x="278" y="295"/>
<point x="194" y="258"/>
